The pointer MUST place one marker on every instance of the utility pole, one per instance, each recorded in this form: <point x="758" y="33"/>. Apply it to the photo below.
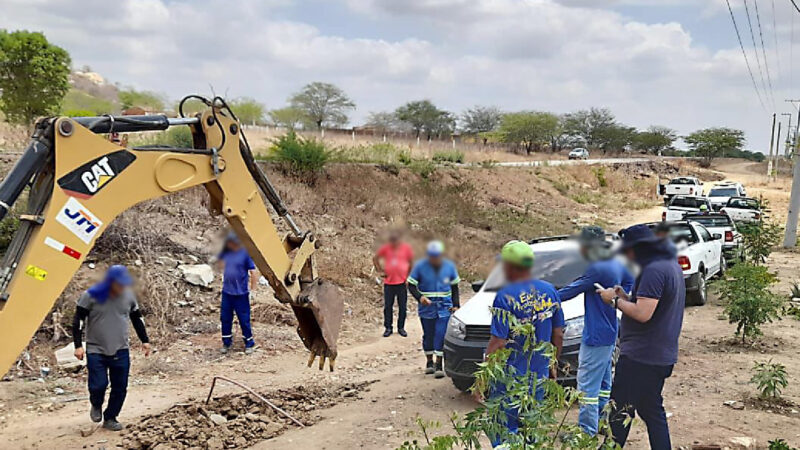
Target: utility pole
<point x="777" y="152"/>
<point x="790" y="235"/>
<point x="771" y="146"/>
<point x="786" y="146"/>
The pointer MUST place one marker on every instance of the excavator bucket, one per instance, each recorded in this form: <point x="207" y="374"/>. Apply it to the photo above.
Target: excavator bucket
<point x="319" y="315"/>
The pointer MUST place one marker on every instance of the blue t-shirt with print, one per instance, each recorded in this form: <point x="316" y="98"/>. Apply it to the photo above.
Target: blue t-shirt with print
<point x="600" y="322"/>
<point x="435" y="283"/>
<point x="530" y="301"/>
<point x="236" y="277"/>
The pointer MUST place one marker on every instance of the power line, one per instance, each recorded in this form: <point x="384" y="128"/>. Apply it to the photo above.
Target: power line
<point x="755" y="50"/>
<point x="775" y="36"/>
<point x="795" y="5"/>
<point x="764" y="54"/>
<point x="744" y="53"/>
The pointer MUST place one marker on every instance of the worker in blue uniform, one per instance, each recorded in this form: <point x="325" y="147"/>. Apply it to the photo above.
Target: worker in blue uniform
<point x="600" y="323"/>
<point x="433" y="282"/>
<point x="527" y="300"/>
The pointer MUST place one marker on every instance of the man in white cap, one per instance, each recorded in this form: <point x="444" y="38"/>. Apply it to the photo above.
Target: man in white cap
<point x="433" y="282"/>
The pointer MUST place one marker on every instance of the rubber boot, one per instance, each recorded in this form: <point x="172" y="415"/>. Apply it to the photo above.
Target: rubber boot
<point x="439" y="373"/>
<point x="429" y="369"/>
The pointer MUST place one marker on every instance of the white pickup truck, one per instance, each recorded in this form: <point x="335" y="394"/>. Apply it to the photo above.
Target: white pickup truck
<point x="722" y="192"/>
<point x="680" y="205"/>
<point x="743" y="209"/>
<point x="721" y="224"/>
<point x="699" y="255"/>
<point x="681" y="186"/>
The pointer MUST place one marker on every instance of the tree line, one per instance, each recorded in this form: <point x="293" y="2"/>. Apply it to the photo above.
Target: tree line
<point x="34" y="79"/>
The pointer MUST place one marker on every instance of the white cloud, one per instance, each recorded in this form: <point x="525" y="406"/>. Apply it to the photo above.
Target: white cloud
<point x="556" y="55"/>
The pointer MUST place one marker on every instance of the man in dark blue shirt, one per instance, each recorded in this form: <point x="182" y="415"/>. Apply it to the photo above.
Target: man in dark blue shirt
<point x="528" y="301"/>
<point x="239" y="277"/>
<point x="600" y="324"/>
<point x="651" y="325"/>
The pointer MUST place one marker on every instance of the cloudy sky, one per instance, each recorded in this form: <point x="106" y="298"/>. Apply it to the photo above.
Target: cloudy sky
<point x="667" y="62"/>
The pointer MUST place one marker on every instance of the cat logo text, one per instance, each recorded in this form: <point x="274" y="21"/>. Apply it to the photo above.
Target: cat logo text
<point x="90" y="178"/>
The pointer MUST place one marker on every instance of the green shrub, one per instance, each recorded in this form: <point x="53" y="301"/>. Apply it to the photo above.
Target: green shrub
<point x="78" y="113"/>
<point x="600" y="173"/>
<point x="780" y="444"/>
<point x="299" y="156"/>
<point x="180" y="137"/>
<point x="449" y="156"/>
<point x="8" y="226"/>
<point x="760" y="239"/>
<point x="422" y="167"/>
<point x="771" y="379"/>
<point x="380" y="153"/>
<point x="747" y="299"/>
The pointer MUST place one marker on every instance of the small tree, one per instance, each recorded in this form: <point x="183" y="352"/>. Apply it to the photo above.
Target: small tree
<point x="248" y="110"/>
<point x="747" y="299"/>
<point x="655" y="140"/>
<point x="588" y="127"/>
<point x="324" y="104"/>
<point x="480" y="120"/>
<point x="424" y="117"/>
<point x="771" y="379"/>
<point x="34" y="76"/>
<point x="304" y="158"/>
<point x="529" y="129"/>
<point x="760" y="239"/>
<point x="288" y="117"/>
<point x="711" y="143"/>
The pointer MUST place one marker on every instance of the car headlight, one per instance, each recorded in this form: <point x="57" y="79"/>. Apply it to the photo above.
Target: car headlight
<point x="456" y="328"/>
<point x="574" y="328"/>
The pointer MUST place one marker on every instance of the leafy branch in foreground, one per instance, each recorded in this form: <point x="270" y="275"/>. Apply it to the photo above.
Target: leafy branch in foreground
<point x="543" y="423"/>
<point x="747" y="300"/>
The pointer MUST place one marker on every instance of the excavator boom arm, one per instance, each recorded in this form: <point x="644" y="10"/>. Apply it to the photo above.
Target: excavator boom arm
<point x="80" y="181"/>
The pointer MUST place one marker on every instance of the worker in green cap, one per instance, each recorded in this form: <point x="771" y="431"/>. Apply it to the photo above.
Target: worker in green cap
<point x="529" y="301"/>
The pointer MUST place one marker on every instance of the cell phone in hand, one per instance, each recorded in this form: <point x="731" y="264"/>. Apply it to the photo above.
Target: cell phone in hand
<point x="599" y="286"/>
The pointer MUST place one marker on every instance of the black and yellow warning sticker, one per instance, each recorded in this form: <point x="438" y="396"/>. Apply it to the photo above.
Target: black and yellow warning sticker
<point x="36" y="272"/>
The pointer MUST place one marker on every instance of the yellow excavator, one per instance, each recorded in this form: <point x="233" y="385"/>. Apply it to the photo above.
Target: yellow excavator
<point x="80" y="181"/>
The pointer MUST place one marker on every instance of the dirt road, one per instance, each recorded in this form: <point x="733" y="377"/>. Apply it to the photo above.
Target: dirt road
<point x="710" y="373"/>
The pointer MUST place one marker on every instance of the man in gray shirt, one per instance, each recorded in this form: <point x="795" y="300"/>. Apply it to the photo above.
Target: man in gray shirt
<point x="105" y="310"/>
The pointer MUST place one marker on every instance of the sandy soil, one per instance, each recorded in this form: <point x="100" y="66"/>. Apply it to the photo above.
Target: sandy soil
<point x="382" y="414"/>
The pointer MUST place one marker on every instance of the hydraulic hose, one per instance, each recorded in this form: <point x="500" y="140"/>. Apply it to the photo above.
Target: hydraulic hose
<point x="31" y="162"/>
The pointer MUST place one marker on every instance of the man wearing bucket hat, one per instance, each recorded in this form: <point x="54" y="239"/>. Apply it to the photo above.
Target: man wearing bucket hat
<point x="238" y="280"/>
<point x="433" y="282"/>
<point x="652" y="317"/>
<point x="105" y="310"/>
<point x="600" y="323"/>
<point x="529" y="301"/>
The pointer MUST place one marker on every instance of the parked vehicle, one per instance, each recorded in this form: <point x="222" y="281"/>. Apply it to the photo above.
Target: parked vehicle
<point x="579" y="153"/>
<point x="558" y="261"/>
<point x="680" y="186"/>
<point x="722" y="224"/>
<point x="680" y="205"/>
<point x="699" y="255"/>
<point x="743" y="209"/>
<point x="722" y="192"/>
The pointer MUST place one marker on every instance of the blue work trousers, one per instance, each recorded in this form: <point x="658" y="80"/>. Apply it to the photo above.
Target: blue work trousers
<point x="239" y="304"/>
<point x="433" y="331"/>
<point x="594" y="382"/>
<point x="103" y="368"/>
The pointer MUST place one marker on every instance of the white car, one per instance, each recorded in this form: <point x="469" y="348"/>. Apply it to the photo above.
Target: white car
<point x="681" y="186"/>
<point x="699" y="255"/>
<point x="680" y="205"/>
<point x="558" y="261"/>
<point x="722" y="192"/>
<point x="743" y="209"/>
<point x="579" y="153"/>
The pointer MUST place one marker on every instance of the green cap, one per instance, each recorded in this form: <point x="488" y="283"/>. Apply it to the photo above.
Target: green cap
<point x="703" y="207"/>
<point x="518" y="253"/>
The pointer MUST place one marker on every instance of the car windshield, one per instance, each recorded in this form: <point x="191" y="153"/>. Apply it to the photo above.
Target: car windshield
<point x="719" y="220"/>
<point x="723" y="192"/>
<point x="743" y="203"/>
<point x="557" y="267"/>
<point x="688" y="202"/>
<point x="682" y="181"/>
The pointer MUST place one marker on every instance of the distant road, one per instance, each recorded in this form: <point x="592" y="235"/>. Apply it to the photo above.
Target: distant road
<point x="572" y="162"/>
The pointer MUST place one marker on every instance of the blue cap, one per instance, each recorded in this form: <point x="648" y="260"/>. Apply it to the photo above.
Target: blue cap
<point x="435" y="248"/>
<point x="119" y="274"/>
